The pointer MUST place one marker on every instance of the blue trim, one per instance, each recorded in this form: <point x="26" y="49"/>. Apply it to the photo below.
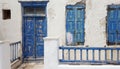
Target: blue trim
<point x="82" y="6"/>
<point x="93" y="49"/>
<point x="89" y="48"/>
<point x="41" y="4"/>
<point x="34" y="3"/>
<point x="114" y="6"/>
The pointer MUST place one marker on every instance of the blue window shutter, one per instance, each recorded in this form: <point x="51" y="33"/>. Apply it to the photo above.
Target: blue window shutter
<point x="80" y="25"/>
<point x="70" y="21"/>
<point x="113" y="24"/>
<point x="75" y="23"/>
<point x="118" y="25"/>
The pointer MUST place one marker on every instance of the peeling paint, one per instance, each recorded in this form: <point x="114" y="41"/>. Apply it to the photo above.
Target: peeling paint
<point x="69" y="38"/>
<point x="73" y="2"/>
<point x="90" y="4"/>
<point x="103" y="22"/>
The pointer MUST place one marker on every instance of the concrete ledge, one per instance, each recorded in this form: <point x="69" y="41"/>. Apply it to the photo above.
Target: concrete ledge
<point x="88" y="67"/>
<point x="16" y="64"/>
<point x="5" y="41"/>
<point x="51" y="38"/>
<point x="4" y="55"/>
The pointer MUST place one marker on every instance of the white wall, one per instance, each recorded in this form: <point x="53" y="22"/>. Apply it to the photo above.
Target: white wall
<point x="95" y="21"/>
<point x="4" y="55"/>
<point x="11" y="28"/>
<point x="52" y="61"/>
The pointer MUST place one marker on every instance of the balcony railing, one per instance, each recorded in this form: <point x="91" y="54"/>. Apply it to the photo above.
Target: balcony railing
<point x="89" y="55"/>
<point x="15" y="51"/>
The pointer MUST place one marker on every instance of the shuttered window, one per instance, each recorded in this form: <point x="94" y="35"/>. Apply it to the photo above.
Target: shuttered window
<point x="75" y="15"/>
<point x="113" y="25"/>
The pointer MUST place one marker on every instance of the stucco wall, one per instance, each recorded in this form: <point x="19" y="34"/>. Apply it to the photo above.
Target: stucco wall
<point x="10" y="29"/>
<point x="95" y="20"/>
<point x="4" y="55"/>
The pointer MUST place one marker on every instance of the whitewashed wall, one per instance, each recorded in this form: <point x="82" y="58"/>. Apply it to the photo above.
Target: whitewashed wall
<point x="10" y="29"/>
<point x="51" y="61"/>
<point x="4" y="55"/>
<point x="95" y="22"/>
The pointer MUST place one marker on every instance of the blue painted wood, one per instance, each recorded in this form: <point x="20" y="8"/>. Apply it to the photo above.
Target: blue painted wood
<point x="41" y="31"/>
<point x="34" y="4"/>
<point x="75" y="15"/>
<point x="29" y="36"/>
<point x="93" y="49"/>
<point x="34" y="28"/>
<point x="113" y="24"/>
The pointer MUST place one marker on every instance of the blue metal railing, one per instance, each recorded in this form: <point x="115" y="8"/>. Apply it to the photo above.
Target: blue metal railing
<point x="89" y="54"/>
<point x="15" y="51"/>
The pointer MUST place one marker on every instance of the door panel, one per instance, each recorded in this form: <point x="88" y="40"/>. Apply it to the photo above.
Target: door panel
<point x="29" y="36"/>
<point x="35" y="30"/>
<point x="40" y="33"/>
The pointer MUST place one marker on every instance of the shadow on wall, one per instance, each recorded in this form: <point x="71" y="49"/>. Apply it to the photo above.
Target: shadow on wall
<point x="1" y="35"/>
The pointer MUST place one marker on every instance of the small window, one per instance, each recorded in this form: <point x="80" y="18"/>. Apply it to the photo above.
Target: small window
<point x="31" y="11"/>
<point x="40" y="11"/>
<point x="6" y="14"/>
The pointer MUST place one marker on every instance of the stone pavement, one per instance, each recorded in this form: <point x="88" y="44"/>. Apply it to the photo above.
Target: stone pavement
<point x="32" y="65"/>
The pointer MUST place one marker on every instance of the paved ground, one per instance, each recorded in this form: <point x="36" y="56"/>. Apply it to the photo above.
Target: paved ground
<point x="32" y="65"/>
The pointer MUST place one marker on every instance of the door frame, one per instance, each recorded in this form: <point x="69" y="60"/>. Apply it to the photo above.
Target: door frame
<point x="29" y="4"/>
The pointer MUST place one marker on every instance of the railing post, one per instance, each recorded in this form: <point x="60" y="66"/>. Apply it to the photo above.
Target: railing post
<point x="51" y="53"/>
<point x="4" y="55"/>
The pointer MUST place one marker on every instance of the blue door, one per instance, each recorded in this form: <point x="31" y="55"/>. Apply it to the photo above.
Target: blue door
<point x="113" y="24"/>
<point x="75" y="15"/>
<point x="34" y="30"/>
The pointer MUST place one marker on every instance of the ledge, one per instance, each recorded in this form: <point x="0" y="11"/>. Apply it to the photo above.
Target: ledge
<point x="88" y="66"/>
<point x="5" y="41"/>
<point x="33" y="0"/>
<point x="51" y="38"/>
